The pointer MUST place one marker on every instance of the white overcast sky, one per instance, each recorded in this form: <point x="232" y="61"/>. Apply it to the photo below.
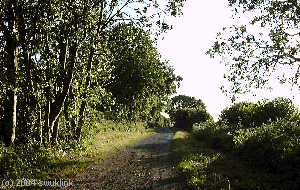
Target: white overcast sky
<point x="185" y="46"/>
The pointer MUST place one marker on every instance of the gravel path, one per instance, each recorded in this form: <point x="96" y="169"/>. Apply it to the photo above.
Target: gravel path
<point x="149" y="164"/>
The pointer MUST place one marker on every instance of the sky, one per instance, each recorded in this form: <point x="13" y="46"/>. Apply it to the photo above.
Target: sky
<point x="185" y="46"/>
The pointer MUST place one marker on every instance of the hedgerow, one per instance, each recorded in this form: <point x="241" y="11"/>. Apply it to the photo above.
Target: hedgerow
<point x="269" y="140"/>
<point x="251" y="114"/>
<point x="270" y="144"/>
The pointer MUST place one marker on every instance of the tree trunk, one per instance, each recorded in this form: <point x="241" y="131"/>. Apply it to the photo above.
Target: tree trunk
<point x="55" y="131"/>
<point x="11" y="47"/>
<point x="57" y="105"/>
<point x="84" y="103"/>
<point x="71" y="119"/>
<point x="10" y="118"/>
<point x="88" y="78"/>
<point x="47" y="131"/>
<point x="39" y="127"/>
<point x="66" y="113"/>
<point x="80" y="121"/>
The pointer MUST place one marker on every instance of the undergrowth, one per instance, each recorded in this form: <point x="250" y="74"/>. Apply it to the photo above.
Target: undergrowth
<point x="219" y="156"/>
<point x="252" y="146"/>
<point x="207" y="168"/>
<point x="35" y="161"/>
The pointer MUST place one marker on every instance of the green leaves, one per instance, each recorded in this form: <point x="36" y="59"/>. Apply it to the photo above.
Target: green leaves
<point x="183" y="101"/>
<point x="73" y="56"/>
<point x="254" y="56"/>
<point x="185" y="118"/>
<point x="138" y="74"/>
<point x="250" y="114"/>
<point x="185" y="111"/>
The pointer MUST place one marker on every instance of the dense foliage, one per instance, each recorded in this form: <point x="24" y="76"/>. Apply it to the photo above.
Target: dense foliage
<point x="139" y="81"/>
<point x="185" y="118"/>
<point x="63" y="59"/>
<point x="184" y="101"/>
<point x="270" y="141"/>
<point x="185" y="111"/>
<point x="60" y="63"/>
<point x="254" y="114"/>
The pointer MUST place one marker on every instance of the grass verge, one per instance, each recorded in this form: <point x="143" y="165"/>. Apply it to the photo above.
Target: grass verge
<point x="106" y="139"/>
<point x="103" y="143"/>
<point x="206" y="168"/>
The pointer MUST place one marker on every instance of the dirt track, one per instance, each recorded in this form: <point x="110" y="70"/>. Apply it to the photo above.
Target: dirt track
<point x="149" y="164"/>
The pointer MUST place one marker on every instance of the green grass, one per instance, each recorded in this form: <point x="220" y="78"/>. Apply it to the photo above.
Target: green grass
<point x="106" y="139"/>
<point x="206" y="168"/>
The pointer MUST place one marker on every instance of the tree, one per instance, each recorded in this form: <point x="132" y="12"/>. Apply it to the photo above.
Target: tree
<point x="12" y="37"/>
<point x="183" y="101"/>
<point x="52" y="51"/>
<point x="185" y="111"/>
<point x="254" y="56"/>
<point x="185" y="118"/>
<point x="138" y="74"/>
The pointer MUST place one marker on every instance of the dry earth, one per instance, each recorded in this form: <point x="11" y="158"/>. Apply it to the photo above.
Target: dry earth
<point x="149" y="164"/>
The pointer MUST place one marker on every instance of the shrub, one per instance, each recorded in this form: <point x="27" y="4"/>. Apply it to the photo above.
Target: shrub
<point x="203" y="131"/>
<point x="217" y="136"/>
<point x="275" y="146"/>
<point x="269" y="142"/>
<point x="271" y="110"/>
<point x="185" y="118"/>
<point x="159" y="121"/>
<point x="21" y="160"/>
<point x="239" y="113"/>
<point x="250" y="114"/>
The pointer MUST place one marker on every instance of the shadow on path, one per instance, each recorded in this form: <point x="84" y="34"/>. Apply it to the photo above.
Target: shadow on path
<point x="149" y="164"/>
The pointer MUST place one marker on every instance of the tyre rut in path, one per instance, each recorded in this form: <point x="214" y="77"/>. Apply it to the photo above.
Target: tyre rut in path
<point x="149" y="164"/>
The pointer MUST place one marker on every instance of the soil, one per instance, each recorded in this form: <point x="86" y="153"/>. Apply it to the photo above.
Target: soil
<point x="149" y="164"/>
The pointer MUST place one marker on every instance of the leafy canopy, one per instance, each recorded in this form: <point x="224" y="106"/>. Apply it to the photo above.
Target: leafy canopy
<point x="184" y="101"/>
<point x="269" y="42"/>
<point x="185" y="111"/>
<point x="56" y="57"/>
<point x="138" y="76"/>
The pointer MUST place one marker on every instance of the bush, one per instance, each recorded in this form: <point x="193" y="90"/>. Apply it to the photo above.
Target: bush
<point x="185" y="118"/>
<point x="159" y="121"/>
<point x="21" y="160"/>
<point x="271" y="145"/>
<point x="267" y="139"/>
<point x="239" y="113"/>
<point x="250" y="114"/>
<point x="217" y="136"/>
<point x="203" y="131"/>
<point x="275" y="146"/>
<point x="276" y="109"/>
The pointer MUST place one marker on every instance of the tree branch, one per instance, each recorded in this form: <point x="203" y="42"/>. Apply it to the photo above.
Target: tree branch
<point x="297" y="59"/>
<point x="111" y="17"/>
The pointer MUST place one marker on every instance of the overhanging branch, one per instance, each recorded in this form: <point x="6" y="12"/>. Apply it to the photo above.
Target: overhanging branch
<point x="297" y="59"/>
